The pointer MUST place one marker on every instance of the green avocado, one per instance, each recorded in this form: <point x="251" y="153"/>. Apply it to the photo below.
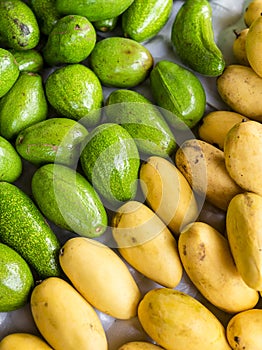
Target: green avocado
<point x="67" y="199"/>
<point x="144" y="19"/>
<point x="16" y="280"/>
<point x="23" y="105"/>
<point x="121" y="62"/>
<point x="110" y="161"/>
<point x="142" y="120"/>
<point x="93" y="10"/>
<point x="24" y="229"/>
<point x="52" y="140"/>
<point x="28" y="60"/>
<point x="179" y="93"/>
<point x="75" y="92"/>
<point x="18" y="25"/>
<point x="46" y="14"/>
<point x="10" y="162"/>
<point x="106" y="25"/>
<point x="9" y="71"/>
<point x="71" y="40"/>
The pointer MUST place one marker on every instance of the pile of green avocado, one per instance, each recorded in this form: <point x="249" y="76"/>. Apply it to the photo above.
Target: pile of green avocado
<point x="86" y="148"/>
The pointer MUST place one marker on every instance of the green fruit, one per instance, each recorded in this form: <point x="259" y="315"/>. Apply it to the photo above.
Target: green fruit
<point x="18" y="25"/>
<point x="10" y="162"/>
<point x="93" y="10"/>
<point x="121" y="62"/>
<point x="110" y="161"/>
<point x="28" y="60"/>
<point x="46" y="14"/>
<point x="71" y="40"/>
<point x="52" y="140"/>
<point x="9" y="71"/>
<point x="67" y="199"/>
<point x="142" y="120"/>
<point x="75" y="92"/>
<point x="193" y="38"/>
<point x="23" y="228"/>
<point x="106" y="25"/>
<point x="16" y="280"/>
<point x="179" y="92"/>
<point x="144" y="19"/>
<point x="23" y="105"/>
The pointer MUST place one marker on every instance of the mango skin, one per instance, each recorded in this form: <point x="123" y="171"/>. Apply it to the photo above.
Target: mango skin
<point x="172" y="319"/>
<point x="253" y="45"/>
<point x="23" y="31"/>
<point x="121" y="62"/>
<point x="10" y="162"/>
<point x="146" y="243"/>
<point x="67" y="199"/>
<point x="92" y="267"/>
<point x="252" y="12"/>
<point x="75" y="92"/>
<point x="243" y="224"/>
<point x="71" y="40"/>
<point x="64" y="318"/>
<point x="179" y="93"/>
<point x="207" y="259"/>
<point x="9" y="71"/>
<point x="16" y="280"/>
<point x="138" y="345"/>
<point x="20" y="341"/>
<point x="93" y="10"/>
<point x="143" y="20"/>
<point x="244" y="330"/>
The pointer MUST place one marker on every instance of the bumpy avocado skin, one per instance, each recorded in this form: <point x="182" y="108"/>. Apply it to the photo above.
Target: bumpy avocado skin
<point x="23" y="105"/>
<point x="144" y="19"/>
<point x="67" y="199"/>
<point x="24" y="229"/>
<point x="46" y="14"/>
<point x="16" y="280"/>
<point x="142" y="120"/>
<point x="71" y="41"/>
<point x="10" y="162"/>
<point x="28" y="60"/>
<point x="18" y="25"/>
<point x="9" y="71"/>
<point x="93" y="10"/>
<point x="75" y="92"/>
<point x="110" y="161"/>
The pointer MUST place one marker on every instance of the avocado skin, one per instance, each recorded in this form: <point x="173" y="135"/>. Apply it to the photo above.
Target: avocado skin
<point x="106" y="25"/>
<point x="75" y="92"/>
<point x="179" y="93"/>
<point x="142" y="120"/>
<point x="52" y="140"/>
<point x="18" y="25"/>
<point x="144" y="19"/>
<point x="93" y="10"/>
<point x="9" y="71"/>
<point x="28" y="60"/>
<point x="71" y="40"/>
<point x="24" y="229"/>
<point x="10" y="162"/>
<point x="67" y="199"/>
<point x="16" y="280"/>
<point x="23" y="105"/>
<point x="110" y="161"/>
<point x="46" y="14"/>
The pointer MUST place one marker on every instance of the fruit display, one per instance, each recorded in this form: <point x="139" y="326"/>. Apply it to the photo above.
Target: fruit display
<point x="130" y="174"/>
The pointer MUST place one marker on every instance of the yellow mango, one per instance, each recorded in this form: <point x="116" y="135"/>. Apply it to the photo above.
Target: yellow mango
<point x="23" y="341"/>
<point x="100" y="276"/>
<point x="139" y="345"/>
<point x="215" y="126"/>
<point x="146" y="243"/>
<point x="254" y="45"/>
<point x="243" y="155"/>
<point x="240" y="87"/>
<point x="64" y="318"/>
<point x="207" y="260"/>
<point x="203" y="165"/>
<point x="252" y="12"/>
<point x="168" y="193"/>
<point x="244" y="330"/>
<point x="177" y="321"/>
<point x="244" y="222"/>
<point x="239" y="47"/>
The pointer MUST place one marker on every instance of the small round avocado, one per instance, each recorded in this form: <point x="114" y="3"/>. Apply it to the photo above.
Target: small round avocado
<point x="10" y="162"/>
<point x="9" y="71"/>
<point x="28" y="60"/>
